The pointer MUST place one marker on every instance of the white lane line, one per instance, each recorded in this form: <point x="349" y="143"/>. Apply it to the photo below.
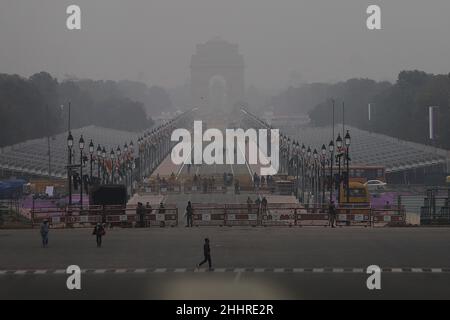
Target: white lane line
<point x="318" y="270"/>
<point x="358" y="270"/>
<point x="239" y="270"/>
<point x="259" y="270"/>
<point x="338" y="270"/>
<point x="396" y="270"/>
<point x="100" y="271"/>
<point x="40" y="271"/>
<point x="20" y="272"/>
<point x="298" y="270"/>
<point x="60" y="271"/>
<point x="120" y="271"/>
<point x="140" y="271"/>
<point x="278" y="270"/>
<point x="417" y="270"/>
<point x="180" y="270"/>
<point x="220" y="270"/>
<point x="2" y="272"/>
<point x="436" y="270"/>
<point x="160" y="270"/>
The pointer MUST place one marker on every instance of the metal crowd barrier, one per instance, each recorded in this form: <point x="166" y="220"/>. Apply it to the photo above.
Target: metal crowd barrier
<point x="114" y="216"/>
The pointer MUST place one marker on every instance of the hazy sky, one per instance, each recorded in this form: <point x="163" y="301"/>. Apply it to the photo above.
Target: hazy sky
<point x="323" y="40"/>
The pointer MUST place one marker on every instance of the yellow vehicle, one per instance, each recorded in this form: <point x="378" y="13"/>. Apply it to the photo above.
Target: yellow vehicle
<point x="359" y="195"/>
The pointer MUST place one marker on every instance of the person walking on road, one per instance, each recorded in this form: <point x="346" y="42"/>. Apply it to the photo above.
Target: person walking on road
<point x="99" y="232"/>
<point x="189" y="215"/>
<point x="332" y="214"/>
<point x="44" y="233"/>
<point x="207" y="255"/>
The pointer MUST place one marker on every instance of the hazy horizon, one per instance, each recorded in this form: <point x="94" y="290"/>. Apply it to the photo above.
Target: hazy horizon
<point x="283" y="42"/>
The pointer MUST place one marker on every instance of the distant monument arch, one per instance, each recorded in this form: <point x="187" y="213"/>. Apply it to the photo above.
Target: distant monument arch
<point x="217" y="75"/>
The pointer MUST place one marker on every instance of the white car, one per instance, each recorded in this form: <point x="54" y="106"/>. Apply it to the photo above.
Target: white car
<point x="375" y="184"/>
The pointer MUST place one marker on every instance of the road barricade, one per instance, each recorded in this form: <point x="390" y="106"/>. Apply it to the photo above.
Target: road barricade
<point x="280" y="214"/>
<point x="354" y="217"/>
<point x="388" y="217"/>
<point x="241" y="215"/>
<point x="312" y="219"/>
<point x="208" y="215"/>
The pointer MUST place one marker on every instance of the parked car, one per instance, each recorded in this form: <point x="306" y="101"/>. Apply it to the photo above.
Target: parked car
<point x="375" y="185"/>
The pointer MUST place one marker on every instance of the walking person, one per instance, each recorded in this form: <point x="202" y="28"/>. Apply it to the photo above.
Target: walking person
<point x="332" y="214"/>
<point x="189" y="215"/>
<point x="99" y="232"/>
<point x="44" y="233"/>
<point x="207" y="255"/>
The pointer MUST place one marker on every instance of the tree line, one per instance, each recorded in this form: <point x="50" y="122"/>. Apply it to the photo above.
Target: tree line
<point x="397" y="109"/>
<point x="37" y="106"/>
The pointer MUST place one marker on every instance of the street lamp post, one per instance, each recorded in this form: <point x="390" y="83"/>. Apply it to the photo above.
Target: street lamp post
<point x="91" y="155"/>
<point x="303" y="172"/>
<point x="316" y="185"/>
<point x="331" y="149"/>
<point x="99" y="155"/>
<point x="324" y="154"/>
<point x="347" y="158"/>
<point x="69" y="169"/>
<point x="112" y="156"/>
<point x="81" y="145"/>
<point x="297" y="154"/>
<point x="339" y="155"/>
<point x="103" y="165"/>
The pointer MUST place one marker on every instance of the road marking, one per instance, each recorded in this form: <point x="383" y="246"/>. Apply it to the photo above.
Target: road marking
<point x="140" y="270"/>
<point x="100" y="271"/>
<point x="40" y="272"/>
<point x="120" y="271"/>
<point x="229" y="270"/>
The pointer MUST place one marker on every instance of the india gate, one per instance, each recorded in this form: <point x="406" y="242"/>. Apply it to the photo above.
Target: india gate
<point x="217" y="75"/>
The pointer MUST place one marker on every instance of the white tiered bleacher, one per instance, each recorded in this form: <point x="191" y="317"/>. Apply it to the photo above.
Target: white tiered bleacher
<point x="369" y="148"/>
<point x="31" y="157"/>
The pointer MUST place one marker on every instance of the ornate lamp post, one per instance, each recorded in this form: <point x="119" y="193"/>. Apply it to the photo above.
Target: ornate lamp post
<point x="81" y="145"/>
<point x="339" y="156"/>
<point x="347" y="158"/>
<point x="69" y="170"/>
<point x="331" y="149"/>
<point x="91" y="154"/>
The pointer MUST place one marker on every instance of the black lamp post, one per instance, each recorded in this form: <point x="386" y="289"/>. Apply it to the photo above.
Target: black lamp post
<point x="99" y="156"/>
<point x="103" y="170"/>
<point x="297" y="167"/>
<point x="315" y="176"/>
<point x="347" y="158"/>
<point x="303" y="171"/>
<point x="91" y="155"/>
<point x="69" y="170"/>
<point x="324" y="159"/>
<point x="81" y="145"/>
<point x="339" y="155"/>
<point x="112" y="156"/>
<point x="119" y="153"/>
<point x="331" y="149"/>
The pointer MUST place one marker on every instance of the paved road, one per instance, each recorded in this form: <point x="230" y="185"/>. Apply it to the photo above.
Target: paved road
<point x="263" y="263"/>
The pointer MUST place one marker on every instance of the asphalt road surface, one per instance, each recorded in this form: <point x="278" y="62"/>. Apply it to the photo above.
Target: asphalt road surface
<point x="249" y="263"/>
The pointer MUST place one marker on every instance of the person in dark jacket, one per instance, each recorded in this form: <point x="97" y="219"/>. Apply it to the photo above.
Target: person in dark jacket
<point x="99" y="232"/>
<point x="207" y="255"/>
<point x="189" y="215"/>
<point x="44" y="233"/>
<point x="332" y="214"/>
